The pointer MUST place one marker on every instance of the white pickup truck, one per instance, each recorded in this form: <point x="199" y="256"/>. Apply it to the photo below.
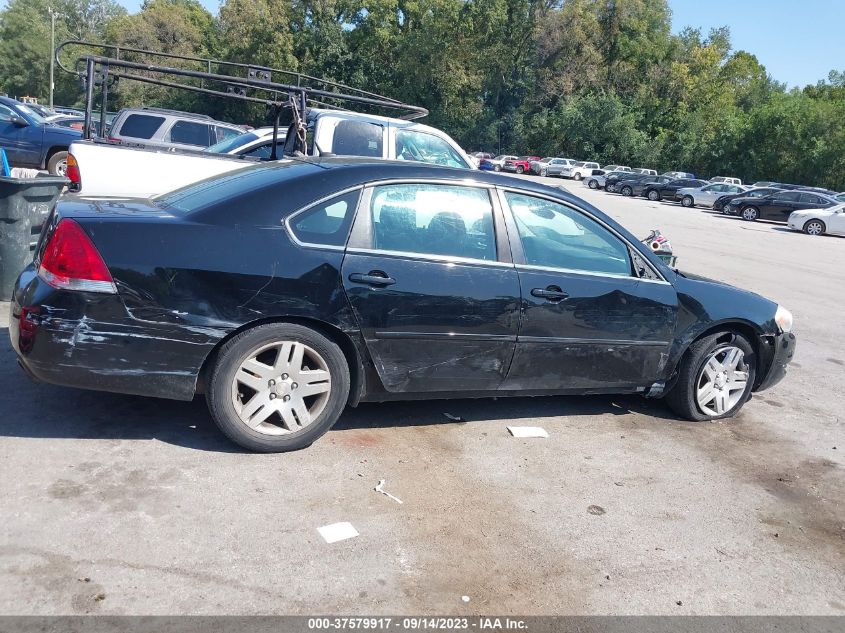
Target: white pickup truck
<point x="110" y="169"/>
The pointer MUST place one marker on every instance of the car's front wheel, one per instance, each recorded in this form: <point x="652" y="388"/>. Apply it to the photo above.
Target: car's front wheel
<point x="520" y="169"/>
<point x="750" y="213"/>
<point x="578" y="176"/>
<point x="277" y="387"/>
<point x="814" y="227"/>
<point x="544" y="172"/>
<point x="687" y="201"/>
<point x="627" y="191"/>
<point x="593" y="184"/>
<point x="497" y="168"/>
<point x="715" y="377"/>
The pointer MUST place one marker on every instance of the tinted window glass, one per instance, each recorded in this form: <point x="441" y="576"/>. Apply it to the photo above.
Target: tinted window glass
<point x="263" y="151"/>
<point x="327" y="222"/>
<point x="140" y="126"/>
<point x="434" y="219"/>
<point x="426" y="148"/>
<point x="358" y="138"/>
<point x="789" y="196"/>
<point x="557" y="236"/>
<point x="235" y="142"/>
<point x="189" y="133"/>
<point x="225" y="133"/>
<point x="810" y="198"/>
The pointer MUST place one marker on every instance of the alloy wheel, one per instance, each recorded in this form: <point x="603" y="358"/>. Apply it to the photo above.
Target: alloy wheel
<point x="653" y="195"/>
<point x="814" y="227"/>
<point x="281" y="388"/>
<point x="749" y="213"/>
<point x="722" y="380"/>
<point x="593" y="184"/>
<point x="686" y="201"/>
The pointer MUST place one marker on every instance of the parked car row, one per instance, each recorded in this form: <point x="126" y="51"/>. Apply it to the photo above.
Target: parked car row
<point x="809" y="209"/>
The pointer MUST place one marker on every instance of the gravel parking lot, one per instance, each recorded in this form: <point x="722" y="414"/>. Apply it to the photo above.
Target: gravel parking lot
<point x="123" y="505"/>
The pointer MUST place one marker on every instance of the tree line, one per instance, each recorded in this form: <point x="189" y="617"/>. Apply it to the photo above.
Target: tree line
<point x="605" y="80"/>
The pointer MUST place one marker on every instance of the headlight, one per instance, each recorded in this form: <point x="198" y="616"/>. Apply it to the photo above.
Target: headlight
<point x="783" y="318"/>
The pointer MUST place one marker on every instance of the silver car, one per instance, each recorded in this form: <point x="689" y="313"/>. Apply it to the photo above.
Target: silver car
<point x="557" y="167"/>
<point x="708" y="194"/>
<point x="158" y="127"/>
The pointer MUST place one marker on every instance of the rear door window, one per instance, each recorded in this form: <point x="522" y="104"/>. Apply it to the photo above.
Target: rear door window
<point x="190" y="133"/>
<point x="141" y="126"/>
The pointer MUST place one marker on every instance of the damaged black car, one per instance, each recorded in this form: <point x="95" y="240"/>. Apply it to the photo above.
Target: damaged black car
<point x="285" y="292"/>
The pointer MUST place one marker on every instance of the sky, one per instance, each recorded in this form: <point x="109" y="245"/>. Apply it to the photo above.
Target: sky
<point x="799" y="42"/>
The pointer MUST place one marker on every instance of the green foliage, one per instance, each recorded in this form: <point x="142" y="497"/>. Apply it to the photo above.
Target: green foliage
<point x="592" y="79"/>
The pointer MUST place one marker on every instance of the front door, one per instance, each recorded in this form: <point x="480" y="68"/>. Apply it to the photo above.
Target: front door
<point x="436" y="297"/>
<point x="588" y="322"/>
<point x="782" y="204"/>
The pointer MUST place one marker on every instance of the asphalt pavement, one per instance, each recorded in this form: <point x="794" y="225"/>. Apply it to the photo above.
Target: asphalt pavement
<point x="123" y="505"/>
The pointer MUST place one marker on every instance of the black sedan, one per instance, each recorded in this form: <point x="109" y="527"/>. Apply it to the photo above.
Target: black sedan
<point x="286" y="291"/>
<point x="668" y="190"/>
<point x="722" y="202"/>
<point x="636" y="186"/>
<point x="777" y="205"/>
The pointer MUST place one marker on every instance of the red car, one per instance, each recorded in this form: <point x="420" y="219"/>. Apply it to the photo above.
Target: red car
<point x="520" y="165"/>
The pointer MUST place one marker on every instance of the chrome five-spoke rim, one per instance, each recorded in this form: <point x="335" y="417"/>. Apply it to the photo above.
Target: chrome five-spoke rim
<point x="281" y="388"/>
<point x="722" y="381"/>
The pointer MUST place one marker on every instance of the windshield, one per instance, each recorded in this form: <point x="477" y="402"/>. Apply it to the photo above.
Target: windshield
<point x="32" y="114"/>
<point x="226" y="146"/>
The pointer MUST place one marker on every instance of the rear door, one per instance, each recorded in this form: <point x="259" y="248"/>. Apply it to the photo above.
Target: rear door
<point x="781" y="205"/>
<point x="428" y="275"/>
<point x="588" y="323"/>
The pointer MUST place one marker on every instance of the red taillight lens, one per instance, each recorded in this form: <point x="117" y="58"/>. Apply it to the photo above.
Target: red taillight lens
<point x="72" y="171"/>
<point x="71" y="261"/>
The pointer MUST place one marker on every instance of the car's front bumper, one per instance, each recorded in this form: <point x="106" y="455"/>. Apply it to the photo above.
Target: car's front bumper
<point x="781" y="349"/>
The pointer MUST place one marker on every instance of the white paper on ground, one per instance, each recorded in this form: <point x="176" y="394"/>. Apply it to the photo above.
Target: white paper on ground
<point x="337" y="532"/>
<point x="528" y="431"/>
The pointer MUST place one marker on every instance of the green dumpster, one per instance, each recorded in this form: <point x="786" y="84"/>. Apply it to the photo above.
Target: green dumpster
<point x="25" y="204"/>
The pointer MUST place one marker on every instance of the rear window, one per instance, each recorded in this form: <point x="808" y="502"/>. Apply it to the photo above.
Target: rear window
<point x="141" y="126"/>
<point x="189" y="133"/>
<point x="358" y="138"/>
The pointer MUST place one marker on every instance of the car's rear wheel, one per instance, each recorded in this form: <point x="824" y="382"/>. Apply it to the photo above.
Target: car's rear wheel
<point x="687" y="201"/>
<point x="578" y="176"/>
<point x="544" y="172"/>
<point x="715" y="378"/>
<point x="814" y="227"/>
<point x="278" y="387"/>
<point x="593" y="183"/>
<point x="627" y="191"/>
<point x="750" y="213"/>
<point x="520" y="169"/>
<point x="654" y="195"/>
<point x="57" y="165"/>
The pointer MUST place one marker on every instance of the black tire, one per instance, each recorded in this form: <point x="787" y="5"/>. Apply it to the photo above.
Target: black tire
<point x="682" y="398"/>
<point x="627" y="191"/>
<point x="593" y="184"/>
<point x="57" y="165"/>
<point x="497" y="168"/>
<point x="229" y="359"/>
<point x="520" y="169"/>
<point x="544" y="173"/>
<point x="578" y="176"/>
<point x="814" y="227"/>
<point x="687" y="201"/>
<point x="653" y="195"/>
<point x="749" y="213"/>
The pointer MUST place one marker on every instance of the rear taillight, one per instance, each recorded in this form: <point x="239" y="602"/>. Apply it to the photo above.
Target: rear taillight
<point x="72" y="171"/>
<point x="71" y="261"/>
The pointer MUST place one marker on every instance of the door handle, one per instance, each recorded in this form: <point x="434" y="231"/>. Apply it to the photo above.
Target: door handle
<point x="373" y="278"/>
<point x="551" y="293"/>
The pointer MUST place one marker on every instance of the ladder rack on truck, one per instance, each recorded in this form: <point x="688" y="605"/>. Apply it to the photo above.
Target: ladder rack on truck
<point x="257" y="86"/>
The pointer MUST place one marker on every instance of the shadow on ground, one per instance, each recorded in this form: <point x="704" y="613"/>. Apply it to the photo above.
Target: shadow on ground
<point x="37" y="410"/>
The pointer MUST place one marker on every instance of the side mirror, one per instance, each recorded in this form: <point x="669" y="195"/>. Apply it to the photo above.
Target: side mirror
<point x="18" y="121"/>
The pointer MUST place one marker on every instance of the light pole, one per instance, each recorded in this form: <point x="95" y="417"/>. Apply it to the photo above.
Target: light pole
<point x="53" y="15"/>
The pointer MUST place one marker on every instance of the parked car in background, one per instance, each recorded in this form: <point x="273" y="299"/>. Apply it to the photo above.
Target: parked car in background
<point x="498" y="162"/>
<point x="840" y="196"/>
<point x="616" y="177"/>
<point x="707" y="195"/>
<point x="635" y="185"/>
<point x="477" y="157"/>
<point x="393" y="284"/>
<point x="819" y="221"/>
<point x="667" y="190"/>
<point x="157" y="127"/>
<point x="46" y="113"/>
<point x="597" y="179"/>
<point x="30" y="141"/>
<point x="678" y="174"/>
<point x="579" y="170"/>
<point x="728" y="179"/>
<point x="778" y="205"/>
<point x="721" y="203"/>
<point x="257" y="143"/>
<point x="643" y="170"/>
<point x="519" y="165"/>
<point x="68" y="111"/>
<point x="610" y="168"/>
<point x="764" y="183"/>
<point x="536" y="166"/>
<point x="73" y="122"/>
<point x="556" y="166"/>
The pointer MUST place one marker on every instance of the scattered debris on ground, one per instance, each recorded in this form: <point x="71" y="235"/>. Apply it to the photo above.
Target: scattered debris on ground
<point x="380" y="488"/>
<point x="596" y="510"/>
